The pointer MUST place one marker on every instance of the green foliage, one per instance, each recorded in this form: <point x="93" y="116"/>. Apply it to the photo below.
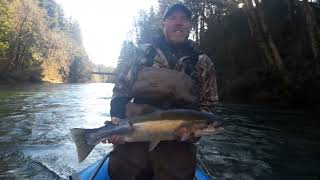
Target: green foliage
<point x="6" y="25"/>
<point x="34" y="34"/>
<point x="73" y="30"/>
<point x="79" y="70"/>
<point x="126" y="53"/>
<point x="55" y="15"/>
<point x="148" y="26"/>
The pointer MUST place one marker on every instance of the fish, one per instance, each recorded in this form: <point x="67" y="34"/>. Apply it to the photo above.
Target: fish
<point x="162" y="125"/>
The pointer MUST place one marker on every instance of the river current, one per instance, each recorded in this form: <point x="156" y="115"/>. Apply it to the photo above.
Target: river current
<point x="256" y="143"/>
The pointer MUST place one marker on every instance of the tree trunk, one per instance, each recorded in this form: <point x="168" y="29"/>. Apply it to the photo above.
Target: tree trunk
<point x="292" y="5"/>
<point x="260" y="32"/>
<point x="20" y="57"/>
<point x="256" y="32"/>
<point x="202" y="19"/>
<point x="196" y="27"/>
<point x="312" y="28"/>
<point x="15" y="42"/>
<point x="271" y="46"/>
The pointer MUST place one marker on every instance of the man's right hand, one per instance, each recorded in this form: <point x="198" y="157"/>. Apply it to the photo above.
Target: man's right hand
<point x="114" y="139"/>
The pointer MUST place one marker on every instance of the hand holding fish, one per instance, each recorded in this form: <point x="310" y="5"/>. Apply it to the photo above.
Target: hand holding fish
<point x="114" y="139"/>
<point x="185" y="134"/>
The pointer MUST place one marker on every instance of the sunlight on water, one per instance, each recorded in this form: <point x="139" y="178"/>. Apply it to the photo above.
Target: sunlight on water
<point x="96" y="104"/>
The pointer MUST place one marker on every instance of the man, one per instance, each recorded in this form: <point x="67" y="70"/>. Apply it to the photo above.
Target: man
<point x="169" y="55"/>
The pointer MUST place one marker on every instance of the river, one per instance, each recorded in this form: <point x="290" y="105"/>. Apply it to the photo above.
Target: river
<point x="256" y="143"/>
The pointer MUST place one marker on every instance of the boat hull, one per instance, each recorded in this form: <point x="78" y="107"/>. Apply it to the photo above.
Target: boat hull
<point x="99" y="171"/>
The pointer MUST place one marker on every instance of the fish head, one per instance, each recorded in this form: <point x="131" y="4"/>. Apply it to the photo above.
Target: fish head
<point x="205" y="128"/>
<point x="195" y="129"/>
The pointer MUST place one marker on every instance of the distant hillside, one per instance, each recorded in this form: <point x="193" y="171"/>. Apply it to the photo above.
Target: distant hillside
<point x="37" y="43"/>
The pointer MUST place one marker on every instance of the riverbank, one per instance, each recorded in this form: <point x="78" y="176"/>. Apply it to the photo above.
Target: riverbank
<point x="11" y="81"/>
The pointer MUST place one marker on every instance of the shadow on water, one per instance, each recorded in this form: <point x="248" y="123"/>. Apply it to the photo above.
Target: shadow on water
<point x="14" y="165"/>
<point x="256" y="143"/>
<point x="261" y="143"/>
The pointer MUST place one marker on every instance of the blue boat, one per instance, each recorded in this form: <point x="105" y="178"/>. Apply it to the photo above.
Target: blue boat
<point x="99" y="171"/>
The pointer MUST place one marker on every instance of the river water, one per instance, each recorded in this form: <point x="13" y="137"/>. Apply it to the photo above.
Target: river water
<point x="256" y="143"/>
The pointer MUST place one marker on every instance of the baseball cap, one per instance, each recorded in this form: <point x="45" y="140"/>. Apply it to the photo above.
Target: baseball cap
<point x="177" y="7"/>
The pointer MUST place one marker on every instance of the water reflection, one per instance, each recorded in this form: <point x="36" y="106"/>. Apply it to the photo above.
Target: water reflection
<point x="96" y="105"/>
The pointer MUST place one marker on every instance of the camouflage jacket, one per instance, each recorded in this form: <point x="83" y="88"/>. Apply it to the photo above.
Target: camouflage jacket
<point x="188" y="59"/>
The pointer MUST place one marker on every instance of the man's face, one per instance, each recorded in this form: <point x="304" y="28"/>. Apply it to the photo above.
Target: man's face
<point x="177" y="27"/>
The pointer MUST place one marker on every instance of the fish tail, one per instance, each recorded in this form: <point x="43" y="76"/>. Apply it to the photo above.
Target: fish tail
<point x="83" y="148"/>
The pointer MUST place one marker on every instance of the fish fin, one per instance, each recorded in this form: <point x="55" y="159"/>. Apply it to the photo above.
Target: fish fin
<point x="83" y="148"/>
<point x="153" y="144"/>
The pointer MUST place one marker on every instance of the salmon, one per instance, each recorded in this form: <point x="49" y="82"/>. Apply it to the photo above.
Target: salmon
<point x="176" y="124"/>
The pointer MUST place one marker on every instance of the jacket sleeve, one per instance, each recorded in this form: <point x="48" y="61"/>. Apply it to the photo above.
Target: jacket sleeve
<point x="206" y="76"/>
<point x="130" y="61"/>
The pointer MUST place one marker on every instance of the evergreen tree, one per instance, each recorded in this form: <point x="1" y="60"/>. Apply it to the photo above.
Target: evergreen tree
<point x="37" y="41"/>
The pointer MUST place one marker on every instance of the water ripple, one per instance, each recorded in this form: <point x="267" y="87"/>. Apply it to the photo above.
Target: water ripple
<point x="256" y="143"/>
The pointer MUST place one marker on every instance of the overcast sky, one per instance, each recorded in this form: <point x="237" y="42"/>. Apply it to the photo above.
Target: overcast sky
<point x="104" y="24"/>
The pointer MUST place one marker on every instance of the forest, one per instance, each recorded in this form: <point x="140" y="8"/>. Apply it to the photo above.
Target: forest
<point x="265" y="51"/>
<point x="38" y="43"/>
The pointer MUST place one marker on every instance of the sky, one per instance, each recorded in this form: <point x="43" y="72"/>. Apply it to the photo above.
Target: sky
<point x="104" y="25"/>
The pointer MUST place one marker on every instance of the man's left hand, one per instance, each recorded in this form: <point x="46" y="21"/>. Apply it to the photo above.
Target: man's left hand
<point x="185" y="134"/>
